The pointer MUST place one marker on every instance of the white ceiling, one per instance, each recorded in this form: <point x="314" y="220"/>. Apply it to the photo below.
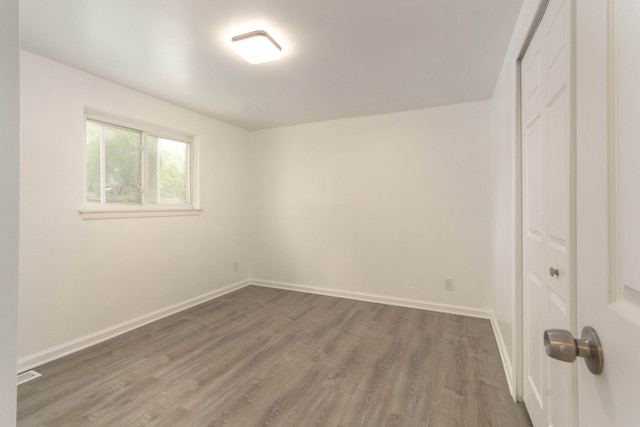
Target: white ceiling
<point x="342" y="58"/>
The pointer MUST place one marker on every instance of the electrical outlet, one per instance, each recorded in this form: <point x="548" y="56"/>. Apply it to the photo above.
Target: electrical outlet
<point x="235" y="266"/>
<point x="448" y="284"/>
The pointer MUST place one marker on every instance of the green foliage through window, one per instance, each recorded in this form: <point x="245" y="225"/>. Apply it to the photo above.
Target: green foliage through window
<point x="115" y="174"/>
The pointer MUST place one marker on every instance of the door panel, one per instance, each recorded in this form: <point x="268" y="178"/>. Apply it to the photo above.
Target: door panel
<point x="627" y="145"/>
<point x="560" y="374"/>
<point x="608" y="203"/>
<point x="535" y="372"/>
<point x="547" y="214"/>
<point x="533" y="141"/>
<point x="558" y="171"/>
<point x="532" y="150"/>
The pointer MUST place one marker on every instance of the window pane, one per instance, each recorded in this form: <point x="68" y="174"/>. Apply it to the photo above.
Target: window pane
<point x="167" y="165"/>
<point x="93" y="162"/>
<point x="152" y="168"/>
<point x="122" y="165"/>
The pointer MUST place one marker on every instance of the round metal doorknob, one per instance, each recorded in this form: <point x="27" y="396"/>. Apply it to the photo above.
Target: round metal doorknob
<point x="554" y="272"/>
<point x="560" y="344"/>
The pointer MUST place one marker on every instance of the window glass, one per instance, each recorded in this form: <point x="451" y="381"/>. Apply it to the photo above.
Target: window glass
<point x="123" y="182"/>
<point x="127" y="166"/>
<point x="93" y="162"/>
<point x="167" y="166"/>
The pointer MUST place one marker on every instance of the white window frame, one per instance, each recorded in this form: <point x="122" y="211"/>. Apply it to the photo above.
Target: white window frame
<point x="143" y="210"/>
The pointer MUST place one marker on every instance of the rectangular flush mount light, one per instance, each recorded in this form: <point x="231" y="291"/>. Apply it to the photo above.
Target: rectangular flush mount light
<point x="257" y="47"/>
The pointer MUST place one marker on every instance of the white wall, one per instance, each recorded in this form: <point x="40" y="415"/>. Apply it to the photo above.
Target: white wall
<point x="506" y="193"/>
<point x="386" y="205"/>
<point x="9" y="174"/>
<point x="79" y="278"/>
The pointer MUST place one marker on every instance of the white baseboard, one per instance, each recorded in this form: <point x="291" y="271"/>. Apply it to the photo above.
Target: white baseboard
<point x="35" y="360"/>
<point x="504" y="355"/>
<point x="360" y="296"/>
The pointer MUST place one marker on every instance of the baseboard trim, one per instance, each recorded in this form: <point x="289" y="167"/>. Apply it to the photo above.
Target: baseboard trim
<point x="360" y="296"/>
<point x="504" y="355"/>
<point x="35" y="360"/>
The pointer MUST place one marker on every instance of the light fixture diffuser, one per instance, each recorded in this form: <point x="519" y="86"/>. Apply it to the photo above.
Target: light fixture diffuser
<point x="256" y="47"/>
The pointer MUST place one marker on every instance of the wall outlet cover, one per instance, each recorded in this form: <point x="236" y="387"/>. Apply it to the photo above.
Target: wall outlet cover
<point x="448" y="284"/>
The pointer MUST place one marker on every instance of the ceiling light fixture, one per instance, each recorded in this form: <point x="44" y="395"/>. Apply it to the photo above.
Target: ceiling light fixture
<point x="256" y="47"/>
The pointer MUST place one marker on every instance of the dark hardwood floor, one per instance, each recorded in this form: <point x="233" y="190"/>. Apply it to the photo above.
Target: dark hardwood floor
<point x="262" y="356"/>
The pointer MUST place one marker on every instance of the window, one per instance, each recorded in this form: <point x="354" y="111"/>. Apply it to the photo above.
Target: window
<point x="134" y="168"/>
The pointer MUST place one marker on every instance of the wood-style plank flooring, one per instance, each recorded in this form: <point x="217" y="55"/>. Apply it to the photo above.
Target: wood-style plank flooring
<point x="262" y="356"/>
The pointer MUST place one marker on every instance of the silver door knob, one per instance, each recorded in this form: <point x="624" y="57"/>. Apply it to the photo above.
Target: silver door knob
<point x="560" y="344"/>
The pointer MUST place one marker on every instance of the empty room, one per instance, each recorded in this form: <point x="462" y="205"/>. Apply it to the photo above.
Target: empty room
<point x="340" y="213"/>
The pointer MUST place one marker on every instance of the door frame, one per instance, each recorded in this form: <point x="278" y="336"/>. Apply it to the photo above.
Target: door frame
<point x="9" y="211"/>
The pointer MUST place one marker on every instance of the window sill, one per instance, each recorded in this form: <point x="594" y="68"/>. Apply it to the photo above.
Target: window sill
<point x="136" y="212"/>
